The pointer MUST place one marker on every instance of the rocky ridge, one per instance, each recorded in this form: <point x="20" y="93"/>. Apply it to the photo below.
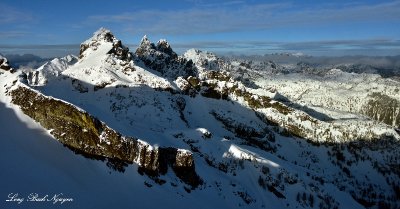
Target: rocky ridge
<point x="160" y="57"/>
<point x="86" y="134"/>
<point x="252" y="146"/>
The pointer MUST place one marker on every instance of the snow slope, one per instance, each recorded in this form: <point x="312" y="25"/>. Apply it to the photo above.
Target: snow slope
<point x="252" y="148"/>
<point x="36" y="163"/>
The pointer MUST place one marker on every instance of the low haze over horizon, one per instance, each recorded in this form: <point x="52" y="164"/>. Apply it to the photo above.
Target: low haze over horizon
<point x="230" y="26"/>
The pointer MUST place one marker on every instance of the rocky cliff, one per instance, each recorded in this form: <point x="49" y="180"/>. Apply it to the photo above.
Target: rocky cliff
<point x="80" y="131"/>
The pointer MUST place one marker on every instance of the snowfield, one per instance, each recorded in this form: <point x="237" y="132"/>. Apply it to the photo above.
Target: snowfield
<point x="272" y="141"/>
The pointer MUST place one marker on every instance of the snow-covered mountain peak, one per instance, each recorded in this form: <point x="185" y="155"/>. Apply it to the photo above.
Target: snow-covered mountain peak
<point x="165" y="47"/>
<point x="204" y="60"/>
<point x="196" y="54"/>
<point x="50" y="70"/>
<point x="70" y="58"/>
<point x="104" y="37"/>
<point x="101" y="34"/>
<point x="334" y="71"/>
<point x="163" y="43"/>
<point x="145" y="40"/>
<point x="105" y="61"/>
<point x="148" y="47"/>
<point x="4" y="65"/>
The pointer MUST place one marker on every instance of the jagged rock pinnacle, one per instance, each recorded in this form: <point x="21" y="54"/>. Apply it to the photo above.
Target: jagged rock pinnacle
<point x="163" y="46"/>
<point x="101" y="34"/>
<point x="4" y="65"/>
<point x="161" y="57"/>
<point x="145" y="40"/>
<point x="104" y="35"/>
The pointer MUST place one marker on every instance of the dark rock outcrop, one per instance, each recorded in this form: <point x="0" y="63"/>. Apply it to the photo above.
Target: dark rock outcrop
<point x="81" y="131"/>
<point x="162" y="58"/>
<point x="383" y="108"/>
<point x="4" y="65"/>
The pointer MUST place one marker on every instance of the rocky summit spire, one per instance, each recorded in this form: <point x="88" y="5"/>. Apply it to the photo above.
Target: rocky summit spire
<point x="101" y="36"/>
<point x="145" y="41"/>
<point x="4" y="65"/>
<point x="160" y="57"/>
<point x="163" y="46"/>
<point x="145" y="45"/>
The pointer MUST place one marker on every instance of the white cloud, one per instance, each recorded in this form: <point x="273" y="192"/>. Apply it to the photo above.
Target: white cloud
<point x="13" y="15"/>
<point x="12" y="34"/>
<point x="228" y="18"/>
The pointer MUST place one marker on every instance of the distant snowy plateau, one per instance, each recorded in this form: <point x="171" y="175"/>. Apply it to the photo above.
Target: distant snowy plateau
<point x="115" y="128"/>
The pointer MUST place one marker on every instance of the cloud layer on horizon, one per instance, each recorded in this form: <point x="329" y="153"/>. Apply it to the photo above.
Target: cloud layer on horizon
<point x="374" y="47"/>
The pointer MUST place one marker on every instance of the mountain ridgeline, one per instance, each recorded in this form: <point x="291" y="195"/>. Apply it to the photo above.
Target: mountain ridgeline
<point x="244" y="134"/>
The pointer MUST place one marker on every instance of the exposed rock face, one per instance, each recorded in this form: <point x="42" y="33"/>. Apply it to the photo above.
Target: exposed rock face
<point x="163" y="59"/>
<point x="4" y="65"/>
<point x="81" y="131"/>
<point x="120" y="51"/>
<point x="383" y="108"/>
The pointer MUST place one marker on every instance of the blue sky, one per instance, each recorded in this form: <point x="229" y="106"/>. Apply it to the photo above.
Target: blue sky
<point x="367" y="27"/>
